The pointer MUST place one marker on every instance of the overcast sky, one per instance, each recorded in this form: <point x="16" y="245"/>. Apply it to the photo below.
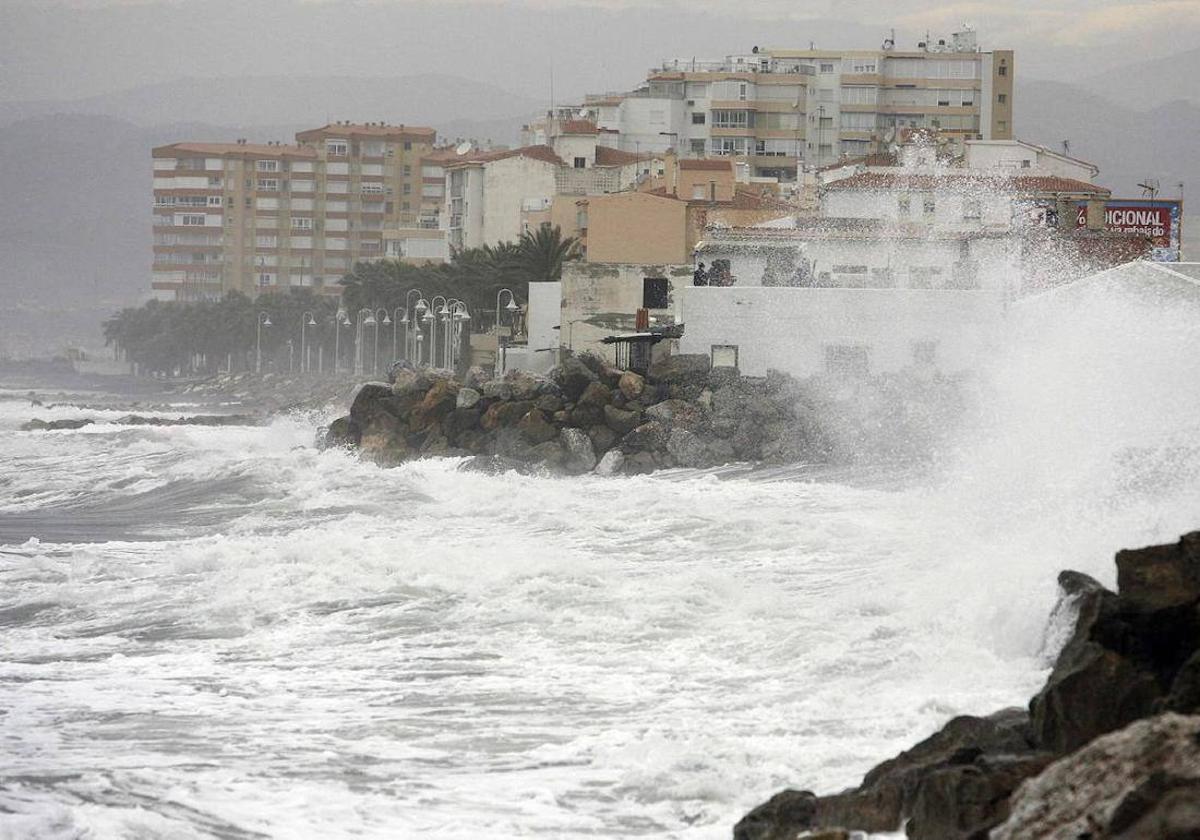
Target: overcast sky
<point x="74" y="48"/>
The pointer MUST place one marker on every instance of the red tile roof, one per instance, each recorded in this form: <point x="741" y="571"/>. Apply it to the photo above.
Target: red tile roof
<point x="606" y="156"/>
<point x="707" y="164"/>
<point x="411" y="132"/>
<point x="255" y="150"/>
<point x="965" y="181"/>
<point x="577" y="127"/>
<point x="542" y="153"/>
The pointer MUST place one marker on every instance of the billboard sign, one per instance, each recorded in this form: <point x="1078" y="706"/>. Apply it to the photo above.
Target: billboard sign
<point x="1158" y="220"/>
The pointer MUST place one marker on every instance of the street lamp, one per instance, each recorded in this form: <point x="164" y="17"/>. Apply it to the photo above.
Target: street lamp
<point x="460" y="315"/>
<point x="385" y="320"/>
<point x="431" y="319"/>
<point x="306" y="320"/>
<point x="341" y="319"/>
<point x="264" y="320"/>
<point x="399" y="316"/>
<point x="511" y="307"/>
<point x="365" y="318"/>
<point x="408" y="307"/>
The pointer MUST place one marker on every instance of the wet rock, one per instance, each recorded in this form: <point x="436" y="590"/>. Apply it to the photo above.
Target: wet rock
<point x="494" y="465"/>
<point x="549" y="403"/>
<point x="54" y="425"/>
<point x="1160" y="576"/>
<point x="620" y="421"/>
<point x="631" y="385"/>
<point x="677" y="413"/>
<point x="779" y="818"/>
<point x="686" y="449"/>
<point x="580" y="456"/>
<point x="459" y="421"/>
<point x="523" y="385"/>
<point x="603" y="439"/>
<point x="611" y="463"/>
<point x="467" y="398"/>
<point x="1184" y="696"/>
<point x="720" y="451"/>
<point x="341" y="432"/>
<point x="497" y="390"/>
<point x="645" y="438"/>
<point x="573" y="377"/>
<point x="639" y="463"/>
<point x="535" y="428"/>
<point x="681" y="368"/>
<point x="550" y="454"/>
<point x="1137" y="783"/>
<point x="504" y="414"/>
<point x="968" y="796"/>
<point x="510" y="443"/>
<point x="595" y="394"/>
<point x="439" y="400"/>
<point x="475" y="377"/>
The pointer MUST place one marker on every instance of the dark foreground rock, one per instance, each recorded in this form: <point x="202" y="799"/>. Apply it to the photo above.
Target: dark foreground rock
<point x="142" y="420"/>
<point x="584" y="416"/>
<point x="1089" y="759"/>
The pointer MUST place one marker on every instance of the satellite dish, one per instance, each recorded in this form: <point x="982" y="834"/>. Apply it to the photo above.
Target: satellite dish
<point x="463" y="148"/>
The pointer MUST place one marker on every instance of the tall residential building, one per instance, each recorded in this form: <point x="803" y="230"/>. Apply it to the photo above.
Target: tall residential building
<point x="785" y="109"/>
<point x="256" y="217"/>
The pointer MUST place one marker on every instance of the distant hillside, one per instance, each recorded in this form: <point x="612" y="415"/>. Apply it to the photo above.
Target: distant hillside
<point x="1128" y="144"/>
<point x="444" y="102"/>
<point x="1149" y="84"/>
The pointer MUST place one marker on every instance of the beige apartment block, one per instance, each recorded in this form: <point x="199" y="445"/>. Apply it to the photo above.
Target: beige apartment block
<point x="255" y="217"/>
<point x="783" y="110"/>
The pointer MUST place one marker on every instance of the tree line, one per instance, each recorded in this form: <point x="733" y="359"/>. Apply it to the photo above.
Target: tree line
<point x="194" y="337"/>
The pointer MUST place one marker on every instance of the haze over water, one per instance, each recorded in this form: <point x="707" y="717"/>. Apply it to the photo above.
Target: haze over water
<point x="222" y="632"/>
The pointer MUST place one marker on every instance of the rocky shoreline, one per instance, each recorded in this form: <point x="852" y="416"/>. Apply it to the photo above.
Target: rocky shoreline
<point x="586" y="416"/>
<point x="1109" y="749"/>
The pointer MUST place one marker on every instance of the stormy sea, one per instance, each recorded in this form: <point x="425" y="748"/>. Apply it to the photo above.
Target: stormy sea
<point x="223" y="632"/>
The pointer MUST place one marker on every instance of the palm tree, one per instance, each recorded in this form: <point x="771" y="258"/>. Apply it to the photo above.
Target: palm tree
<point x="543" y="252"/>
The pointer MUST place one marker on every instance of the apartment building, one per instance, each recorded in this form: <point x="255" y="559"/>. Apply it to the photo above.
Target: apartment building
<point x="784" y="110"/>
<point x="253" y="217"/>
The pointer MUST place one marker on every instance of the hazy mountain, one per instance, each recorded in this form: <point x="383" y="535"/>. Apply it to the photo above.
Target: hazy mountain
<point x="436" y="100"/>
<point x="1127" y="143"/>
<point x="1148" y="84"/>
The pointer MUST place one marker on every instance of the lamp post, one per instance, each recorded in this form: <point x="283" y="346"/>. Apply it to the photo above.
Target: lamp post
<point x="365" y="319"/>
<point x="306" y="320"/>
<point x="460" y="316"/>
<point x="341" y="319"/>
<point x="264" y="320"/>
<point x="511" y="306"/>
<point x="430" y="317"/>
<point x="399" y="316"/>
<point x="408" y="307"/>
<point x="385" y="320"/>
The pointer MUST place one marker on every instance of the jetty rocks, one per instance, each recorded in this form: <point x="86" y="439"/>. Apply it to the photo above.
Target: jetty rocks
<point x="582" y="417"/>
<point x="1109" y="749"/>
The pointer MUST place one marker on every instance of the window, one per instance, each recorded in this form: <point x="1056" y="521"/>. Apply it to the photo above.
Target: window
<point x="266" y="241"/>
<point x="924" y="277"/>
<point x="697" y="192"/>
<point x="654" y="293"/>
<point x="904" y="204"/>
<point x="725" y="355"/>
<point x="192" y="221"/>
<point x="1003" y="71"/>
<point x="407" y="170"/>
<point x="826" y="66"/>
<point x="336" y="148"/>
<point x="268" y="184"/>
<point x="742" y="91"/>
<point x="1002" y="125"/>
<point x="301" y="223"/>
<point x="697" y="146"/>
<point x="924" y="352"/>
<point x="698" y="119"/>
<point x="1025" y="164"/>
<point x="407" y="145"/>
<point x="266" y="278"/>
<point x="848" y="360"/>
<point x="971" y="208"/>
<point x="266" y="165"/>
<point x="882" y="278"/>
<point x="850" y="276"/>
<point x="862" y="66"/>
<point x="372" y="188"/>
<point x="733" y="119"/>
<point x="929" y="205"/>
<point x="407" y="189"/>
<point x="860" y="95"/>
<point x="581" y="163"/>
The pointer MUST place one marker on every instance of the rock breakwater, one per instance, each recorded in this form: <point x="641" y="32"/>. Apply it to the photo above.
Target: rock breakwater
<point x="585" y="416"/>
<point x="1109" y="749"/>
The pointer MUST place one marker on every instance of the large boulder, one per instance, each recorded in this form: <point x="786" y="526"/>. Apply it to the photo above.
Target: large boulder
<point x="686" y="449"/>
<point x="621" y="421"/>
<point x="781" y="817"/>
<point x="1068" y="711"/>
<point x="467" y="398"/>
<point x="535" y="427"/>
<point x="375" y="398"/>
<point x="573" y="377"/>
<point x="603" y="439"/>
<point x="645" y="438"/>
<point x="969" y="795"/>
<point x="504" y="414"/>
<point x="439" y="400"/>
<point x="341" y="432"/>
<point x="1139" y="783"/>
<point x="611" y="463"/>
<point x="631" y="384"/>
<point x="524" y="385"/>
<point x="677" y="413"/>
<point x="581" y="457"/>
<point x="681" y="368"/>
<point x="1160" y="576"/>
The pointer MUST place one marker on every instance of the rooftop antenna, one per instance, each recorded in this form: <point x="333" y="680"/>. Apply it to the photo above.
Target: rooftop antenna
<point x="1149" y="188"/>
<point x="1066" y="144"/>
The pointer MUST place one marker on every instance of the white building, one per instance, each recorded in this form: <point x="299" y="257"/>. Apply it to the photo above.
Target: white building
<point x="1020" y="157"/>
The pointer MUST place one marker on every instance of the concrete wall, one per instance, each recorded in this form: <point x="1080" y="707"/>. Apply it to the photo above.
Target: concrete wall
<point x="637" y="228"/>
<point x="602" y="299"/>
<point x="493" y="211"/>
<point x="790" y="329"/>
<point x="1022" y="158"/>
